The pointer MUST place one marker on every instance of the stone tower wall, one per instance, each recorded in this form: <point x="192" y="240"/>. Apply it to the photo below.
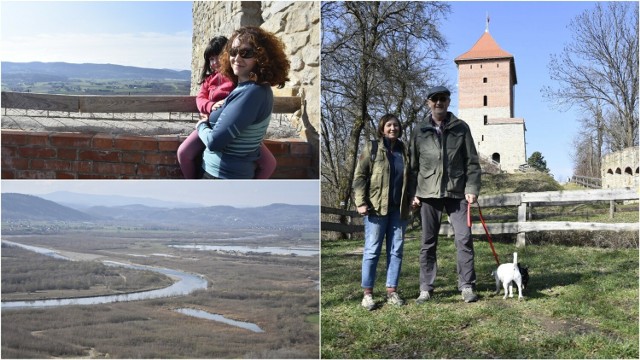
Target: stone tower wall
<point x="500" y="133"/>
<point x="297" y="23"/>
<point x="620" y="169"/>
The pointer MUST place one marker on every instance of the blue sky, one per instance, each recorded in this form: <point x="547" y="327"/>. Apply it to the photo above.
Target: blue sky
<point x="158" y="35"/>
<point x="137" y="33"/>
<point x="233" y="193"/>
<point x="531" y="32"/>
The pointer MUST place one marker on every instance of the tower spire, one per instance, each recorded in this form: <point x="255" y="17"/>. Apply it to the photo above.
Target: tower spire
<point x="487" y="27"/>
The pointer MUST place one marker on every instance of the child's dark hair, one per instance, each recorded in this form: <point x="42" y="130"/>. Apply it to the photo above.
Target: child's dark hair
<point x="215" y="47"/>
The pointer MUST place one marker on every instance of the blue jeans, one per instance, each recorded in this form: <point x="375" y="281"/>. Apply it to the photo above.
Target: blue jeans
<point x="375" y="230"/>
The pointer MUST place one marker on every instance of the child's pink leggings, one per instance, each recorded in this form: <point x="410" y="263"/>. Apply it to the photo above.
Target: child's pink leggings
<point x="190" y="159"/>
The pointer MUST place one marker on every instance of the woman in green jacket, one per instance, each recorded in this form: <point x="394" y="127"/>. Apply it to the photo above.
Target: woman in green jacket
<point x="380" y="187"/>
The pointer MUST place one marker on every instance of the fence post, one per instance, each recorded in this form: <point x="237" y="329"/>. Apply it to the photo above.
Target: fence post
<point x="522" y="217"/>
<point x="612" y="208"/>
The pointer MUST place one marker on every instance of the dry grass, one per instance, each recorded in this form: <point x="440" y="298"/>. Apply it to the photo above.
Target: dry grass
<point x="275" y="292"/>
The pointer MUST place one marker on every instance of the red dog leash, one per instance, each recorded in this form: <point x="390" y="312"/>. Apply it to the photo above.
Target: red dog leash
<point x="484" y="225"/>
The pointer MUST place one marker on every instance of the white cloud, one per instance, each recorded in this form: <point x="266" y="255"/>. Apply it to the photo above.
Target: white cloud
<point x="153" y="50"/>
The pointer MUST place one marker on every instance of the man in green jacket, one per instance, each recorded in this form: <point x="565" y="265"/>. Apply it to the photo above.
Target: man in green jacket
<point x="445" y="162"/>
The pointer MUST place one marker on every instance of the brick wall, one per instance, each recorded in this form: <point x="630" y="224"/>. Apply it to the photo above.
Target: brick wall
<point x="50" y="155"/>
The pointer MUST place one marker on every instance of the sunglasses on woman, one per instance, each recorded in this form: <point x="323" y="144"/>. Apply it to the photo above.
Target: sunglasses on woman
<point x="244" y="53"/>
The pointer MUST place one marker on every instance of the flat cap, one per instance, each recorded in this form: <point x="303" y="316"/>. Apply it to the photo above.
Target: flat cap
<point x="438" y="90"/>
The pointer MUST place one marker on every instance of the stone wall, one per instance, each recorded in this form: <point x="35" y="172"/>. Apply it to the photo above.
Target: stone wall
<point x="503" y="136"/>
<point x="620" y="169"/>
<point x="297" y="23"/>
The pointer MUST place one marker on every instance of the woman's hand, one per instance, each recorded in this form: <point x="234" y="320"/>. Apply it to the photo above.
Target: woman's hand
<point x="217" y="105"/>
<point x="363" y="210"/>
<point x="415" y="203"/>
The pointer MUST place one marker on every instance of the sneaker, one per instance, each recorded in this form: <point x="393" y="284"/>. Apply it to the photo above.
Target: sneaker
<point x="367" y="302"/>
<point x="424" y="297"/>
<point x="394" y="299"/>
<point x="468" y="295"/>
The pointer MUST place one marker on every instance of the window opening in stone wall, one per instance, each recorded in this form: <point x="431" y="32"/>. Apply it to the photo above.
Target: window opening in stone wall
<point x="637" y="170"/>
<point x="482" y="138"/>
<point x="486" y="119"/>
<point x="484" y="80"/>
<point x="618" y="171"/>
<point x="480" y="66"/>
<point x="497" y="65"/>
<point x="485" y="100"/>
<point x="496" y="157"/>
<point x="610" y="172"/>
<point x="628" y="171"/>
<point x="470" y="66"/>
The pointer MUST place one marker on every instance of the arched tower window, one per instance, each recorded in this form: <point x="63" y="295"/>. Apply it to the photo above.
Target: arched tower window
<point x="637" y="170"/>
<point x="610" y="172"/>
<point x="484" y="80"/>
<point x="496" y="157"/>
<point x="618" y="171"/>
<point x="628" y="171"/>
<point x="484" y="100"/>
<point x="486" y="119"/>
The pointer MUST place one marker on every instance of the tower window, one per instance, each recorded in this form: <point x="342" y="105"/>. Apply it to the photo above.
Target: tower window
<point x="470" y="66"/>
<point x="486" y="119"/>
<point x="482" y="137"/>
<point x="485" y="100"/>
<point x="480" y="66"/>
<point x="484" y="80"/>
<point x="497" y="65"/>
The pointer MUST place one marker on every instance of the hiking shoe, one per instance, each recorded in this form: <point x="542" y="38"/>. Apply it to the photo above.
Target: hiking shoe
<point x="468" y="295"/>
<point x="394" y="299"/>
<point x="367" y="302"/>
<point x="424" y="297"/>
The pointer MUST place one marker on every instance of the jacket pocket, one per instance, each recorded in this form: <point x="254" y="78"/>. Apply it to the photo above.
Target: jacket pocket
<point x="457" y="181"/>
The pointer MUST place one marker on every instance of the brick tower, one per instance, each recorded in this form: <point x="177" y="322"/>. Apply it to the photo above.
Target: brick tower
<point x="486" y="82"/>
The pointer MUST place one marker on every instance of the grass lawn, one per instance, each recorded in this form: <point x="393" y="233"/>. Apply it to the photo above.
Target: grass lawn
<point x="581" y="302"/>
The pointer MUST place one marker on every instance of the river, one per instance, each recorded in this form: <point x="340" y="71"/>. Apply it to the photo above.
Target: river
<point x="186" y="284"/>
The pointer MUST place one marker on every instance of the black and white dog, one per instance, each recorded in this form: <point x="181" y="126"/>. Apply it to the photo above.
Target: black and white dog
<point x="507" y="274"/>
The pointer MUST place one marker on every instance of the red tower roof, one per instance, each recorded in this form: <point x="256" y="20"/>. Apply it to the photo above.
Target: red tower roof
<point x="485" y="48"/>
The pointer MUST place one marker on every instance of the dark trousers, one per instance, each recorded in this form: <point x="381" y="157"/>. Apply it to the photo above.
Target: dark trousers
<point x="206" y="175"/>
<point x="431" y="213"/>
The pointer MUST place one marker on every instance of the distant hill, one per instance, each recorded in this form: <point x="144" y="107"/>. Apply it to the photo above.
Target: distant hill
<point x="271" y="216"/>
<point x="29" y="207"/>
<point x="81" y="202"/>
<point x="60" y="71"/>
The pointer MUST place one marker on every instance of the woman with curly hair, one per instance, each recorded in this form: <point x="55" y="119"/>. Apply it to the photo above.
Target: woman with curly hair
<point x="254" y="60"/>
<point x="215" y="87"/>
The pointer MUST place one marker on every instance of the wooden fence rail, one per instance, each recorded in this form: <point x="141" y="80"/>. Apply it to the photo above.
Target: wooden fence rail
<point x="283" y="104"/>
<point x="524" y="201"/>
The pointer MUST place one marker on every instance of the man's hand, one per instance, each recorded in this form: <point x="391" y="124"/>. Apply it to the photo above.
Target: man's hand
<point x="471" y="198"/>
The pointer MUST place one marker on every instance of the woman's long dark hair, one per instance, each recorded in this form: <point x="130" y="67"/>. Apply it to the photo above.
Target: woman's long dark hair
<point x="215" y="47"/>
